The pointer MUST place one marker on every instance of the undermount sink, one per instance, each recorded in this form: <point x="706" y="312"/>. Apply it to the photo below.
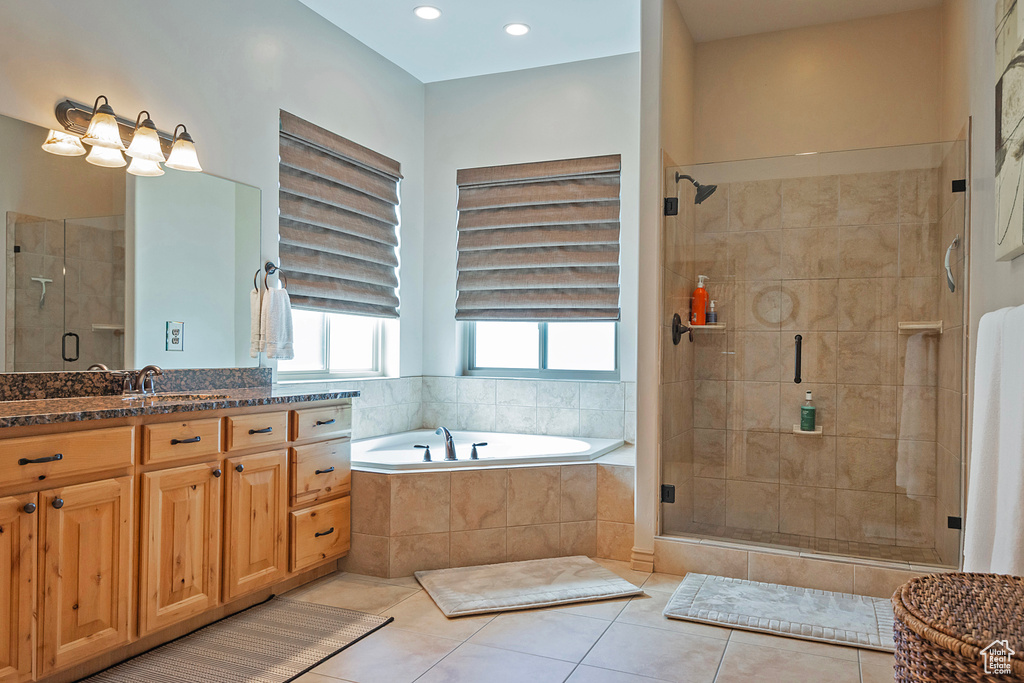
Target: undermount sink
<point x="176" y="397"/>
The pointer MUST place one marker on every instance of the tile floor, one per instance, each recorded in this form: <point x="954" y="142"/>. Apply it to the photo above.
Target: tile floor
<point x="614" y="641"/>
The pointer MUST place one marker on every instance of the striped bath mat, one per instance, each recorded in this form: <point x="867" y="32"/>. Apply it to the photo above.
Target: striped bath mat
<point x="274" y="642"/>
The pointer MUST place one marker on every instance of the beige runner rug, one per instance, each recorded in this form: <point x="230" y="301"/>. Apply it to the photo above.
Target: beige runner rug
<point x="274" y="642"/>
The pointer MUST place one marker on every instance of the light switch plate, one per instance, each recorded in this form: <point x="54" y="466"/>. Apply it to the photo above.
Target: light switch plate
<point x="175" y="336"/>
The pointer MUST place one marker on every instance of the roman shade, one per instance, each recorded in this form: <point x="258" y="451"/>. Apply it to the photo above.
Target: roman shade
<point x="338" y="222"/>
<point x="539" y="241"/>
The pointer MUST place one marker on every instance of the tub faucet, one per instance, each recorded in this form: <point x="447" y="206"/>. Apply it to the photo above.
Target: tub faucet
<point x="449" y="443"/>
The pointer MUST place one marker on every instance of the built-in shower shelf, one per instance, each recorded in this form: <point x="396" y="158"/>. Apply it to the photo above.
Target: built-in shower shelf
<point x="712" y="326"/>
<point x="817" y="431"/>
<point x="921" y="326"/>
<point x="104" y="327"/>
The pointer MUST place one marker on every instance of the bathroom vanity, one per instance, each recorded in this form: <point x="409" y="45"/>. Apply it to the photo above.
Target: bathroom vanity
<point x="126" y="523"/>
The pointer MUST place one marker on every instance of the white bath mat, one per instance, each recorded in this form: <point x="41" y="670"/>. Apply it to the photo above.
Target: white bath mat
<point x="829" y="617"/>
<point x="522" y="585"/>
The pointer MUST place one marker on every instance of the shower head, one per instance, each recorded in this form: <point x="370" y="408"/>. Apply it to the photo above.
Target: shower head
<point x="703" y="191"/>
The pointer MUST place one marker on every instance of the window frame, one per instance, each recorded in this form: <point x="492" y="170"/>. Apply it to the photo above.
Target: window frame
<point x="470" y="368"/>
<point x="326" y="374"/>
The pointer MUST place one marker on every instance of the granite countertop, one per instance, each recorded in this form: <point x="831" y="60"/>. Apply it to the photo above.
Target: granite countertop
<point x="53" y="410"/>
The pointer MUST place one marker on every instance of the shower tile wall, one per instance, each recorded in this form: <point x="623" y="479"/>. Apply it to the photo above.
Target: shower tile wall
<point x="839" y="260"/>
<point x="34" y="333"/>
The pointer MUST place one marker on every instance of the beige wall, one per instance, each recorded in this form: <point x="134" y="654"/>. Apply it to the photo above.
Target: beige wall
<point x="677" y="73"/>
<point x="956" y="64"/>
<point x="866" y="83"/>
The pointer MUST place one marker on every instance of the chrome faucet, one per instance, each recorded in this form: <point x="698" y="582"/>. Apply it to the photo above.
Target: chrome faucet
<point x="449" y="443"/>
<point x="147" y="379"/>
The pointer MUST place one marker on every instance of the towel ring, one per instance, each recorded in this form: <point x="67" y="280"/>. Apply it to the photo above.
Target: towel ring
<point x="255" y="282"/>
<point x="271" y="269"/>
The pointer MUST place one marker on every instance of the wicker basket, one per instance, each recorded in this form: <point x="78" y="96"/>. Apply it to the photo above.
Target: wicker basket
<point x="945" y="621"/>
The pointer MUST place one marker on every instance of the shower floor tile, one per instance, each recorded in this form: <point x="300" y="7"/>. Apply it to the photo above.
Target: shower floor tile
<point x="826" y="546"/>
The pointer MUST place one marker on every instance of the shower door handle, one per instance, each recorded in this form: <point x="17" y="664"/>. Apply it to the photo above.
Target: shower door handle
<point x="64" y="347"/>
<point x="950" y="282"/>
<point x="799" y="346"/>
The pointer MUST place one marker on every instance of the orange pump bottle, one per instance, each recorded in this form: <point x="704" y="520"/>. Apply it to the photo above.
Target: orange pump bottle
<point x="699" y="308"/>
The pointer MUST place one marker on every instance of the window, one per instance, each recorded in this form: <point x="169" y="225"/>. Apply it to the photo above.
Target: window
<point x="333" y="345"/>
<point x="557" y="350"/>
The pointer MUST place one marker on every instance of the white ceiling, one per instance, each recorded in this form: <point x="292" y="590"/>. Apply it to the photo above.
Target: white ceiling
<point x="469" y="39"/>
<point x="715" y="19"/>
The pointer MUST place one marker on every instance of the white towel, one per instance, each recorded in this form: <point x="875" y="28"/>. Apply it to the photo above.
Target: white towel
<point x="257" y="342"/>
<point x="276" y="324"/>
<point x="993" y="540"/>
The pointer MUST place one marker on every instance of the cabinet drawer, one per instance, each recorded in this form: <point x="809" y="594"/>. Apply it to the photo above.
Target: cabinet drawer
<point x="179" y="440"/>
<point x="69" y="454"/>
<point x="321" y="471"/>
<point x="321" y="423"/>
<point x="320" y="533"/>
<point x="252" y="431"/>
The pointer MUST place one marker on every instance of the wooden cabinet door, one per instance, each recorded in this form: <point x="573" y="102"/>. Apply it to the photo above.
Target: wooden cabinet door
<point x="255" y="520"/>
<point x="181" y="525"/>
<point x="17" y="587"/>
<point x="85" y="531"/>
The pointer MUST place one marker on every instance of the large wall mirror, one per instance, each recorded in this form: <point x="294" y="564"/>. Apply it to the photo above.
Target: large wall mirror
<point x="99" y="262"/>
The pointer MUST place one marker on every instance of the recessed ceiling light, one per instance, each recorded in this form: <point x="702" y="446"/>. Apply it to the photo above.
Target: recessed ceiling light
<point x="427" y="12"/>
<point x="517" y="29"/>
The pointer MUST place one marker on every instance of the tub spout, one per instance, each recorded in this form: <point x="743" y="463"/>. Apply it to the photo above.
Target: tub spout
<point x="449" y="443"/>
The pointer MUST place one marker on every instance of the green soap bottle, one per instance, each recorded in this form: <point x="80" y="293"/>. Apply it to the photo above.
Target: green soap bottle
<point x="807" y="411"/>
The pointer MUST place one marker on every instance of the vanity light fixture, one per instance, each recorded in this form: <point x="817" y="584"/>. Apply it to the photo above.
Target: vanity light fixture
<point x="144" y="167"/>
<point x="105" y="157"/>
<point x="427" y="12"/>
<point x="517" y="29"/>
<point x="145" y="141"/>
<point x="183" y="152"/>
<point x="103" y="130"/>
<point x="63" y="144"/>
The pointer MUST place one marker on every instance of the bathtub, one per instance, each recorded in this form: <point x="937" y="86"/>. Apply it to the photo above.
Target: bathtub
<point x="397" y="452"/>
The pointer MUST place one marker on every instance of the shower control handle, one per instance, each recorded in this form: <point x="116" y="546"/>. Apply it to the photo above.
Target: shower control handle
<point x="799" y="347"/>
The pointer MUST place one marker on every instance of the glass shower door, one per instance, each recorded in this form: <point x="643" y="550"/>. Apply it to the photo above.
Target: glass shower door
<point x="95" y="292"/>
<point x="846" y="251"/>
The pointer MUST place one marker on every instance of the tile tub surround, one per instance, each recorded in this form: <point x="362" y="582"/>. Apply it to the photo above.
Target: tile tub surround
<point x="839" y="260"/>
<point x="408" y="522"/>
<point x="600" y="410"/>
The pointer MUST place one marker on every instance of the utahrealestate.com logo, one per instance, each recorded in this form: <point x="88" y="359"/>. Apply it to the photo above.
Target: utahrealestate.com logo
<point x="997" y="657"/>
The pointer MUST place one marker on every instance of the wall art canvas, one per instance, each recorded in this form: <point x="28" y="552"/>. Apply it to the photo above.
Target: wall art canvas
<point x="1009" y="130"/>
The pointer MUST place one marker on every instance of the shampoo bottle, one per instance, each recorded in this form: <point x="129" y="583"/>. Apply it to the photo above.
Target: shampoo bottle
<point x="700" y="303"/>
<point x="807" y="416"/>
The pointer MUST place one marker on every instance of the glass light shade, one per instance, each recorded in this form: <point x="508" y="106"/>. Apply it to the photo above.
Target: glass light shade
<point x="144" y="167"/>
<point x="106" y="157"/>
<point x="63" y="144"/>
<point x="517" y="29"/>
<point x="183" y="155"/>
<point x="145" y="145"/>
<point x="103" y="130"/>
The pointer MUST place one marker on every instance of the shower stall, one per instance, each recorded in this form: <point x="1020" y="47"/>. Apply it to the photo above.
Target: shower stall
<point x="842" y="274"/>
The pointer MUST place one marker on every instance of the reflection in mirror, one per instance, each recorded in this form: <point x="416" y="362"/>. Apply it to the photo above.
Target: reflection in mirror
<point x="120" y="257"/>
